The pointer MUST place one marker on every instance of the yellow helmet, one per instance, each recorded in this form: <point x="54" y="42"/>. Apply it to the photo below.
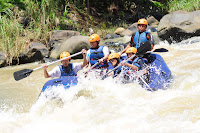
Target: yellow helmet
<point x="94" y="38"/>
<point x="131" y="50"/>
<point x="113" y="55"/>
<point x="65" y="54"/>
<point x="142" y="21"/>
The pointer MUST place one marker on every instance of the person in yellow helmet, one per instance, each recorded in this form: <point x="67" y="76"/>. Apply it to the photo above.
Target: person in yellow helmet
<point x="140" y="37"/>
<point x="97" y="53"/>
<point x="66" y="68"/>
<point x="115" y="60"/>
<point x="137" y="63"/>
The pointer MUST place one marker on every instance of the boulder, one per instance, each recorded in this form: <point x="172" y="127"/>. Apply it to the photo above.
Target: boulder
<point x="31" y="55"/>
<point x="119" y="30"/>
<point x="111" y="36"/>
<point x="59" y="36"/>
<point x="152" y="21"/>
<point x="72" y="45"/>
<point x="179" y="25"/>
<point x="2" y="59"/>
<point x="41" y="47"/>
<point x="35" y="52"/>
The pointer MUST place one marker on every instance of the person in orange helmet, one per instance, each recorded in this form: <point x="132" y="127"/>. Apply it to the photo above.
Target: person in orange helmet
<point x="97" y="53"/>
<point x="140" y="37"/>
<point x="115" y="60"/>
<point x="137" y="63"/>
<point x="66" y="68"/>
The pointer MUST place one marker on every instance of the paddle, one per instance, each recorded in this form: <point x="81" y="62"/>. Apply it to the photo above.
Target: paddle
<point x="91" y="68"/>
<point x="26" y="72"/>
<point x="97" y="63"/>
<point x="141" y="50"/>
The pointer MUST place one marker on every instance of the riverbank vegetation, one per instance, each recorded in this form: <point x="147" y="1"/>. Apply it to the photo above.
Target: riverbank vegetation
<point x="186" y="5"/>
<point x="25" y="21"/>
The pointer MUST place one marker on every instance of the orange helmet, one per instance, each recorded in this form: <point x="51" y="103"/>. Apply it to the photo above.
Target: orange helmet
<point x="94" y="38"/>
<point x="142" y="21"/>
<point x="65" y="54"/>
<point x="131" y="50"/>
<point x="113" y="55"/>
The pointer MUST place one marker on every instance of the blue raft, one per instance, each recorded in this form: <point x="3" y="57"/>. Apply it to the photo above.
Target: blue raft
<point x="67" y="82"/>
<point x="159" y="74"/>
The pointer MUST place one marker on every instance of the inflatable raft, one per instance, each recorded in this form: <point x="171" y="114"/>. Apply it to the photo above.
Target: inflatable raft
<point x="67" y="82"/>
<point x="159" y="76"/>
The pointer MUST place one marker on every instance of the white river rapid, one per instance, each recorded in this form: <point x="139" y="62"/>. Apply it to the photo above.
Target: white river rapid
<point x="103" y="106"/>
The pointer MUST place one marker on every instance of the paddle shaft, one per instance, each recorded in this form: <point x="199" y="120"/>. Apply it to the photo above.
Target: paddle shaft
<point x="93" y="66"/>
<point x="145" y="83"/>
<point x="58" y="60"/>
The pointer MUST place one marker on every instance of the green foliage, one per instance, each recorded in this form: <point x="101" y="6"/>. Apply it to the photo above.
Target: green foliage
<point x="11" y="40"/>
<point x="47" y="15"/>
<point x="159" y="5"/>
<point x="186" y="5"/>
<point x="5" y="4"/>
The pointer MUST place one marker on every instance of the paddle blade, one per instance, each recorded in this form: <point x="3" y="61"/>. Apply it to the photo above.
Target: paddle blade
<point x="160" y="50"/>
<point x="22" y="74"/>
<point x="143" y="48"/>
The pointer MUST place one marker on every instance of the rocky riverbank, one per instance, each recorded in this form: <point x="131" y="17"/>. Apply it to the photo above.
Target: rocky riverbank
<point x="176" y="26"/>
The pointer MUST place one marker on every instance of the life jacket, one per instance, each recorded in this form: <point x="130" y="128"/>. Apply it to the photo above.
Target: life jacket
<point x="67" y="71"/>
<point x="138" y="38"/>
<point x="119" y="69"/>
<point x="95" y="55"/>
<point x="138" y="61"/>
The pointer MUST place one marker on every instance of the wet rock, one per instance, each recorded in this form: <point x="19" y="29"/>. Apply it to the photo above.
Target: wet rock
<point x="59" y="36"/>
<point x="72" y="45"/>
<point x="111" y="36"/>
<point x="179" y="25"/>
<point x="2" y="59"/>
<point x="119" y="30"/>
<point x="41" y="47"/>
<point x="31" y="55"/>
<point x="152" y="21"/>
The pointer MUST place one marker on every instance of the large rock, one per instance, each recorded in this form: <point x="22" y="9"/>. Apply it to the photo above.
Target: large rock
<point x="152" y="21"/>
<point x="179" y="25"/>
<point x="116" y="44"/>
<point x="41" y="47"/>
<point x="73" y="45"/>
<point x="31" y="55"/>
<point x="2" y="59"/>
<point x="59" y="36"/>
<point x="119" y="30"/>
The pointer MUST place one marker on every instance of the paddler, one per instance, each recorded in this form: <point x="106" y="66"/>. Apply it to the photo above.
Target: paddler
<point x="136" y="63"/>
<point x="66" y="68"/>
<point x="115" y="60"/>
<point x="140" y="37"/>
<point x="97" y="54"/>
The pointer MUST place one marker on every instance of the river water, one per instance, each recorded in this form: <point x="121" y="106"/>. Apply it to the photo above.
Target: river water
<point x="105" y="106"/>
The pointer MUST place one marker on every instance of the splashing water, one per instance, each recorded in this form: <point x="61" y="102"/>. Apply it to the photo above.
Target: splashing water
<point x="105" y="105"/>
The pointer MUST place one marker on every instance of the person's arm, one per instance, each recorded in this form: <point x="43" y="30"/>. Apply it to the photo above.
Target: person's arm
<point x="88" y="57"/>
<point x="133" y="67"/>
<point x="129" y="45"/>
<point x="46" y="74"/>
<point x="106" y="54"/>
<point x="84" y="58"/>
<point x="124" y="50"/>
